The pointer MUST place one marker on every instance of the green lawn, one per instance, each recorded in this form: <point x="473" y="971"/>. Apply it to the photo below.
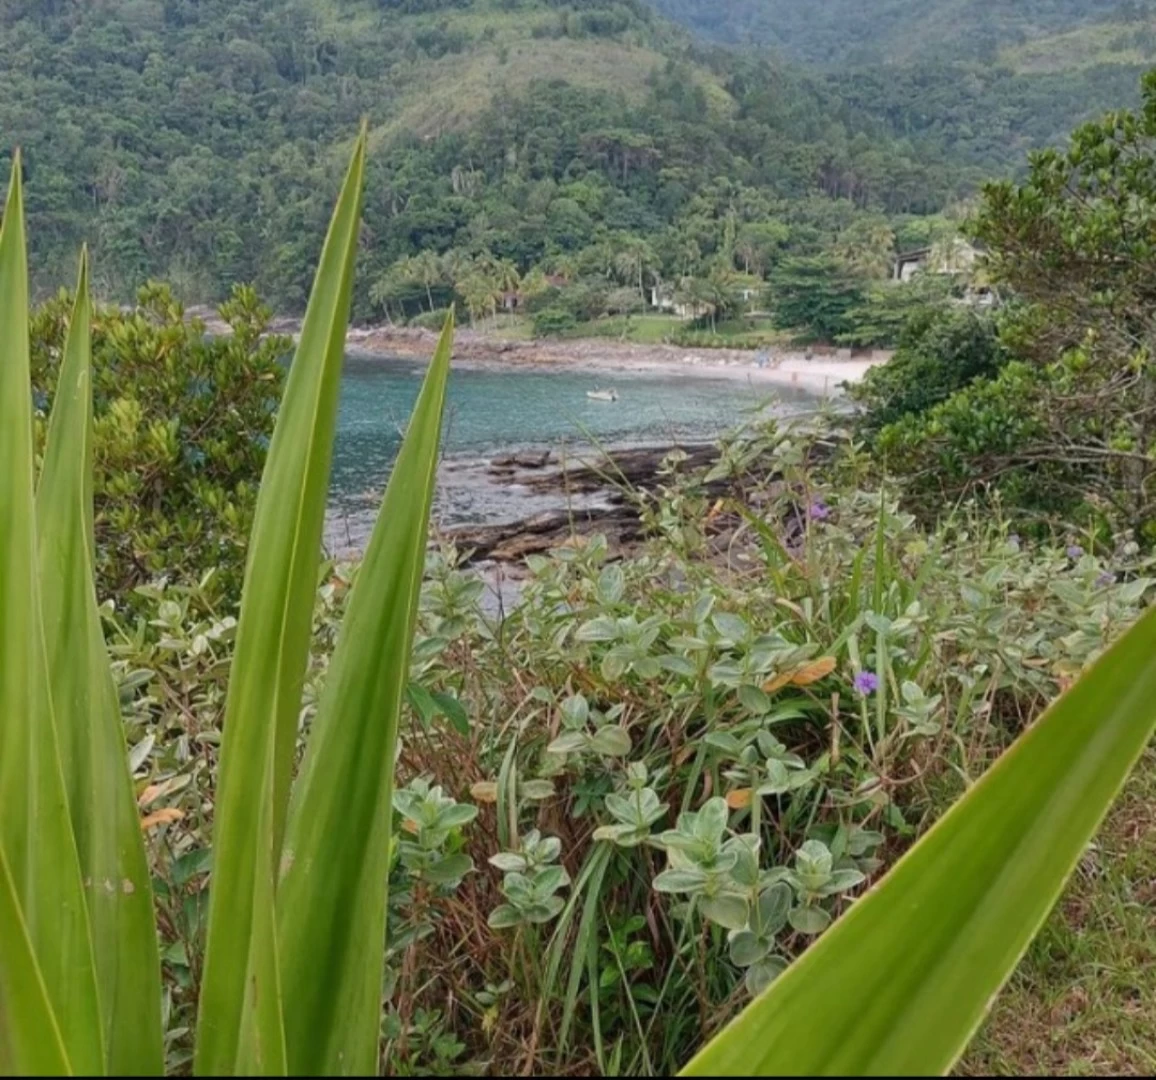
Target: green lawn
<point x="507" y="327"/>
<point x="650" y="329"/>
<point x="1083" y="1002"/>
<point x="642" y="329"/>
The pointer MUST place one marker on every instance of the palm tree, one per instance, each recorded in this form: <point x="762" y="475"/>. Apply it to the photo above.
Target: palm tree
<point x="867" y="248"/>
<point x="722" y="288"/>
<point x="535" y="282"/>
<point x="384" y="288"/>
<point x="427" y="269"/>
<point x="506" y="276"/>
<point x="562" y="265"/>
<point x="456" y="265"/>
<point x="634" y="260"/>
<point x="480" y="293"/>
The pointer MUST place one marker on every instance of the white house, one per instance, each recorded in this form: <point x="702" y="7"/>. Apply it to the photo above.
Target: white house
<point x="954" y="256"/>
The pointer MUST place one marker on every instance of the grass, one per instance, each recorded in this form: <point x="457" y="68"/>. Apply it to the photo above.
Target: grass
<point x="640" y="329"/>
<point x="1083" y="1002"/>
<point x="504" y="57"/>
<point x="446" y="94"/>
<point x="650" y="329"/>
<point x="1086" y="46"/>
<point x="507" y="327"/>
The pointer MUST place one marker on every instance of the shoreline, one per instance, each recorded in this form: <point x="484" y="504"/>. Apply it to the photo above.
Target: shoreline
<point x="822" y="371"/>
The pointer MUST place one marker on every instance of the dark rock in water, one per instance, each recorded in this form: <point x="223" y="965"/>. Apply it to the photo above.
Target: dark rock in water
<point x="632" y="467"/>
<point x="532" y="461"/>
<point x="543" y="532"/>
<point x="593" y="492"/>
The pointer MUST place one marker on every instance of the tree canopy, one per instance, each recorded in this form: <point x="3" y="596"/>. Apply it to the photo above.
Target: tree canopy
<point x="197" y="140"/>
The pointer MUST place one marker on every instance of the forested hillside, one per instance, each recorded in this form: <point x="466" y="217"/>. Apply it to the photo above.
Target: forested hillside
<point x="195" y="139"/>
<point x="200" y="140"/>
<point x="874" y="31"/>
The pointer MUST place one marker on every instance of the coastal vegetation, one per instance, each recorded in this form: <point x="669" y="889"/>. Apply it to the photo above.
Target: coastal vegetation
<point x="784" y="778"/>
<point x="692" y="676"/>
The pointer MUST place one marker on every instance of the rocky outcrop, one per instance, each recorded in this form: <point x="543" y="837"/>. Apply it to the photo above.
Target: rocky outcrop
<point x="618" y="477"/>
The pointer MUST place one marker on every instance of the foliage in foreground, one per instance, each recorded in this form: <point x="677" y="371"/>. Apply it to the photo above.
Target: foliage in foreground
<point x="575" y="778"/>
<point x="803" y="661"/>
<point x="940" y="352"/>
<point x="79" y="967"/>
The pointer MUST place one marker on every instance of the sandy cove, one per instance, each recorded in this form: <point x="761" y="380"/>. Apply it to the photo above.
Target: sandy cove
<point x="823" y="372"/>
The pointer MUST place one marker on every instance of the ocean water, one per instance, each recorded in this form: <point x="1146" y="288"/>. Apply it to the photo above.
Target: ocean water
<point x="489" y="411"/>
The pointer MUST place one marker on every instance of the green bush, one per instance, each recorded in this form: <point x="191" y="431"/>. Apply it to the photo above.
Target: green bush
<point x="553" y="322"/>
<point x="80" y="970"/>
<point x="941" y="350"/>
<point x="1067" y="436"/>
<point x="182" y="423"/>
<point x="887" y="310"/>
<point x="622" y="691"/>
<point x="431" y="320"/>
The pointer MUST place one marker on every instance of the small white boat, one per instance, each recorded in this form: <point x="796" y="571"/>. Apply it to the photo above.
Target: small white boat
<point x="602" y="395"/>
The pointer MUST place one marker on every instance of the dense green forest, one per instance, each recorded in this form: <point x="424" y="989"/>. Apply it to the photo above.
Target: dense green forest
<point x="841" y="31"/>
<point x="198" y="141"/>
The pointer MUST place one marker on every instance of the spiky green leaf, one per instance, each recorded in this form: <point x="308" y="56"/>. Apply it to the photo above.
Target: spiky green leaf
<point x="30" y="1042"/>
<point x="332" y="901"/>
<point x="35" y="828"/>
<point x="93" y="753"/>
<point x="240" y="1025"/>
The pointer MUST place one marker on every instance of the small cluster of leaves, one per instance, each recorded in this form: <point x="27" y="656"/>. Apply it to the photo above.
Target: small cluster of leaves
<point x="723" y="876"/>
<point x="181" y="427"/>
<point x="531" y="881"/>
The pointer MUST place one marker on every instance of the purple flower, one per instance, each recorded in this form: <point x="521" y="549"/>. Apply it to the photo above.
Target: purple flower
<point x="819" y="511"/>
<point x="866" y="682"/>
<point x="1105" y="579"/>
<point x="1013" y="541"/>
<point x="1075" y="552"/>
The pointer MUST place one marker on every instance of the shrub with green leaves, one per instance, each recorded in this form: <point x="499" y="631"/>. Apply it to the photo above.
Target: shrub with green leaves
<point x="531" y="882"/>
<point x="181" y="427"/>
<point x="553" y="322"/>
<point x="757" y="699"/>
<point x="941" y="350"/>
<point x="1067" y="433"/>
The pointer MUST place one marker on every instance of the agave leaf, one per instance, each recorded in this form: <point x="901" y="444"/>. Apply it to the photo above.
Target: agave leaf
<point x="332" y="898"/>
<point x="30" y="1044"/>
<point x="240" y="1026"/>
<point x="901" y="983"/>
<point x="93" y="754"/>
<point x="35" y="829"/>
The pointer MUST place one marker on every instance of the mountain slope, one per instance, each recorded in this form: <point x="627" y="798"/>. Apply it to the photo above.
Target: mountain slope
<point x="200" y="141"/>
<point x="873" y="31"/>
<point x="188" y="138"/>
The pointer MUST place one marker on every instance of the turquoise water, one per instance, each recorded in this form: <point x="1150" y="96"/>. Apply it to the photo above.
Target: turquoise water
<point x="492" y="410"/>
